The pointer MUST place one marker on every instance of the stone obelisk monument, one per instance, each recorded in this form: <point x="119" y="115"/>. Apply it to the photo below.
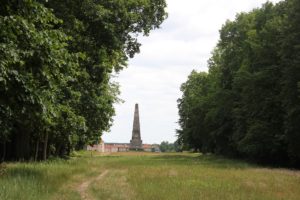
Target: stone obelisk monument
<point x="136" y="142"/>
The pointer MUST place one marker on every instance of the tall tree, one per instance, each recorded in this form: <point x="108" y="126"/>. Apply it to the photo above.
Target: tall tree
<point x="290" y="62"/>
<point x="56" y="62"/>
<point x="251" y="107"/>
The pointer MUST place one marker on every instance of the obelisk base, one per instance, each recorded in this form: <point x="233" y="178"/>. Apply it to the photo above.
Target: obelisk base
<point x="136" y="145"/>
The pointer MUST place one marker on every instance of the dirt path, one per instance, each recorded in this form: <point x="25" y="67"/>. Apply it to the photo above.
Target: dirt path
<point x="82" y="189"/>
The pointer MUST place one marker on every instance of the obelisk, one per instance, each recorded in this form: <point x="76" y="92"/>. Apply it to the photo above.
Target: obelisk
<point x="136" y="142"/>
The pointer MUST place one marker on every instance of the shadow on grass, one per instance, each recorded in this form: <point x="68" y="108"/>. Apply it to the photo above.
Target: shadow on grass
<point x="204" y="160"/>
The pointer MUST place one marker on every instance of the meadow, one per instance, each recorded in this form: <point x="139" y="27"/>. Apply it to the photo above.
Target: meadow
<point x="148" y="176"/>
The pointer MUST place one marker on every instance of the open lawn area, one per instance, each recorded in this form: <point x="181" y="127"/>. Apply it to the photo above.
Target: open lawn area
<point x="148" y="176"/>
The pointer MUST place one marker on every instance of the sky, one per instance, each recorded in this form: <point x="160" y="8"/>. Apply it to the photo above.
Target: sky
<point x="153" y="77"/>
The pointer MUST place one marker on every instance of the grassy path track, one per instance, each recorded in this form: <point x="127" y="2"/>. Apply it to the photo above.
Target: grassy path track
<point x="146" y="176"/>
<point x="82" y="189"/>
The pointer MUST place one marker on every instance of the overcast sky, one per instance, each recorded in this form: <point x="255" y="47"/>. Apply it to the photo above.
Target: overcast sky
<point x="153" y="77"/>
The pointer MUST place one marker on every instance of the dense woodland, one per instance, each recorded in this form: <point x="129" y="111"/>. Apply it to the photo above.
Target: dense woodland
<point x="248" y="104"/>
<point x="57" y="59"/>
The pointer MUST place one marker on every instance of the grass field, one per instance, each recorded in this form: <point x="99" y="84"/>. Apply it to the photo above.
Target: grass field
<point x="146" y="176"/>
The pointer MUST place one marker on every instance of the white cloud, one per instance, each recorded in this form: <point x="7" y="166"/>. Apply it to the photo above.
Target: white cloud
<point x="168" y="55"/>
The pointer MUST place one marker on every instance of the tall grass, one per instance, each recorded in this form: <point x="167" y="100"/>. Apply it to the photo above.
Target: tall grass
<point x="45" y="180"/>
<point x="193" y="176"/>
<point x="147" y="176"/>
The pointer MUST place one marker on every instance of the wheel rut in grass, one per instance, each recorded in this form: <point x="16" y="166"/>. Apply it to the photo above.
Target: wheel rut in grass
<point x="82" y="189"/>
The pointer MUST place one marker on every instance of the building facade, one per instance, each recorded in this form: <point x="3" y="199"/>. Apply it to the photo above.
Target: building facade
<point x="121" y="147"/>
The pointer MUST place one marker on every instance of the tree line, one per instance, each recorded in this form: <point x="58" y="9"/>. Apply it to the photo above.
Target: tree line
<point x="248" y="103"/>
<point x="57" y="59"/>
<point x="166" y="146"/>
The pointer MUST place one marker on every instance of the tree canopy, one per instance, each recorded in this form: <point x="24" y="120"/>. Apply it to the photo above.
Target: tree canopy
<point x="56" y="63"/>
<point x="248" y="105"/>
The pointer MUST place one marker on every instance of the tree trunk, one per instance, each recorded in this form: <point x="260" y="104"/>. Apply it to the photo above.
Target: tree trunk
<point x="36" y="150"/>
<point x="4" y="151"/>
<point x="45" y="147"/>
<point x="21" y="143"/>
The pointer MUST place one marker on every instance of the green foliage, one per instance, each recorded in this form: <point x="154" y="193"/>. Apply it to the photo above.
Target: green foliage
<point x="165" y="146"/>
<point x="251" y="107"/>
<point x="290" y="55"/>
<point x="56" y="63"/>
<point x="192" y="109"/>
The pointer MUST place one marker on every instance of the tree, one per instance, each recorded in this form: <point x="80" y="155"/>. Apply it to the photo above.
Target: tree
<point x="192" y="111"/>
<point x="56" y="63"/>
<point x="251" y="105"/>
<point x="290" y="60"/>
<point x="165" y="146"/>
<point x="35" y="64"/>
